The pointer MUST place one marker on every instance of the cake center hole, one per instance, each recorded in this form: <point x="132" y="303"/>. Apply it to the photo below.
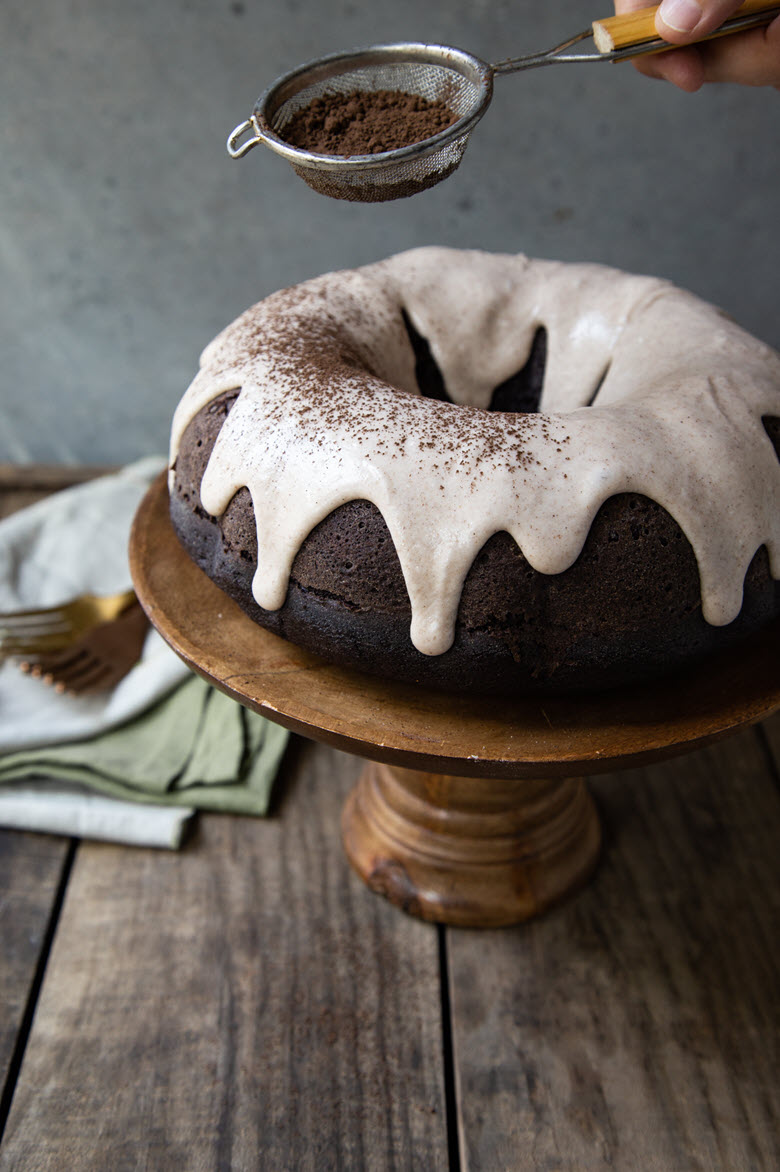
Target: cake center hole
<point x="520" y="392"/>
<point x="772" y="428"/>
<point x="523" y="391"/>
<point x="429" y="377"/>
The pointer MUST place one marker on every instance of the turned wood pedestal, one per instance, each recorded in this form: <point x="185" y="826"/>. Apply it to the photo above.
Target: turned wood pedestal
<point x="470" y="812"/>
<point x="475" y="853"/>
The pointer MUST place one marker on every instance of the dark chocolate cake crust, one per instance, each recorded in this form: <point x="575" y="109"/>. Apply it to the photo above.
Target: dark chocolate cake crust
<point x="627" y="610"/>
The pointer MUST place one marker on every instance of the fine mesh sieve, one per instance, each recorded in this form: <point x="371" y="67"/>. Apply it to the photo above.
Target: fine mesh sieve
<point x="435" y="72"/>
<point x="460" y="80"/>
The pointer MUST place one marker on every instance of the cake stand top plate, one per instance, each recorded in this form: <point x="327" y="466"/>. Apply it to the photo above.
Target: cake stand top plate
<point x="434" y="731"/>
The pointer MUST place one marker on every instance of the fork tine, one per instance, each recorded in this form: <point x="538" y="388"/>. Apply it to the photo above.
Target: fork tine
<point x="86" y="677"/>
<point x="33" y="626"/>
<point x="66" y="660"/>
<point x="33" y="621"/>
<point x="51" y="667"/>
<point x="52" y="614"/>
<point x="35" y="644"/>
<point x="98" y="678"/>
<point x="83" y="675"/>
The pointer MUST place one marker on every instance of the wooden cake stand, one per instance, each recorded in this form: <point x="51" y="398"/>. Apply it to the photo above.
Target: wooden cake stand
<point x="469" y="811"/>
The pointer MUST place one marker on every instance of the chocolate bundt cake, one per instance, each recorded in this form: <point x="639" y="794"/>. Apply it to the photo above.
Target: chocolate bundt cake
<point x="487" y="473"/>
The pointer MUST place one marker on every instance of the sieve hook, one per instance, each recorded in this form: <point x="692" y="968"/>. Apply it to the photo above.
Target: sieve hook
<point x="237" y="149"/>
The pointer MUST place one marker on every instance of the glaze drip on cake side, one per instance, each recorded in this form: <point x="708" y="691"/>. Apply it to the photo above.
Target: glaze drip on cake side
<point x="329" y="411"/>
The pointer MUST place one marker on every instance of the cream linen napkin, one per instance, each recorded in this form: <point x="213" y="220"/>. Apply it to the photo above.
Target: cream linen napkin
<point x="162" y="738"/>
<point x="71" y="542"/>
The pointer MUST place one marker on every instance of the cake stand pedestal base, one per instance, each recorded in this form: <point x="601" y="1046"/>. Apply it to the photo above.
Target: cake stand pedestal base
<point x="481" y="854"/>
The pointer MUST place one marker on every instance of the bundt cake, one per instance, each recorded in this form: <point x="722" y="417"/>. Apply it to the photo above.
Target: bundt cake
<point x="487" y="473"/>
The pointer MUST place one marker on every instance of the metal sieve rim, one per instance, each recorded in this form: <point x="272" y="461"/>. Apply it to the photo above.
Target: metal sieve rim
<point x="478" y="72"/>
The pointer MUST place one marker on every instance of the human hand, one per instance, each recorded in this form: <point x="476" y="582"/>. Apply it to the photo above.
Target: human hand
<point x="748" y="58"/>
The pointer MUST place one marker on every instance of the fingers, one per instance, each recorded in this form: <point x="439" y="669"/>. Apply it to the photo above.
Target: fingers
<point x="749" y="58"/>
<point x="680" y="21"/>
<point x="684" y="68"/>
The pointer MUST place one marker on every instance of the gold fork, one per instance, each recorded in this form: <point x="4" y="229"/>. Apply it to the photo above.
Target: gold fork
<point x="99" y="659"/>
<point x="37" y="632"/>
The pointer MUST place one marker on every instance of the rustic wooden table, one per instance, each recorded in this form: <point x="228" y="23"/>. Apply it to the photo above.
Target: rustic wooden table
<point x="247" y="1003"/>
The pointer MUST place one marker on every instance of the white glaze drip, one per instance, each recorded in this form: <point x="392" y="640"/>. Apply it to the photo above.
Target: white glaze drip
<point x="329" y="412"/>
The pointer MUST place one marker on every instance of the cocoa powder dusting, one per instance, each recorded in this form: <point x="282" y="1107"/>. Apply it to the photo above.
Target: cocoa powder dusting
<point x="366" y="122"/>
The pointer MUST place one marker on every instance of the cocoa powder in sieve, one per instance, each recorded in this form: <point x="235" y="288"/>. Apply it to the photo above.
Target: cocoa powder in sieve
<point x="366" y="122"/>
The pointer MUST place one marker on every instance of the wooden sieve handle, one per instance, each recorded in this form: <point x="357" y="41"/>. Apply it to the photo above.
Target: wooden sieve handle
<point x="635" y="28"/>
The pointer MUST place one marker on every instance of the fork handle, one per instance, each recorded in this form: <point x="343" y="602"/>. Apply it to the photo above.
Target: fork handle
<point x="636" y="29"/>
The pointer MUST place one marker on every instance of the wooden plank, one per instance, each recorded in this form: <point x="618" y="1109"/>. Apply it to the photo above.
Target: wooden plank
<point x="245" y="1003"/>
<point x="45" y="478"/>
<point x="31" y="870"/>
<point x="636" y="1027"/>
<point x="770" y="730"/>
<point x="32" y="867"/>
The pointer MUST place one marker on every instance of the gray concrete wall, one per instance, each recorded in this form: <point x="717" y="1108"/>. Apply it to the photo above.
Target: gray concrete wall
<point x="128" y="237"/>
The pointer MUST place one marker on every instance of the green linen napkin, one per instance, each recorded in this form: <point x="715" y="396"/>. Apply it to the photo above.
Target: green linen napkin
<point x="195" y="748"/>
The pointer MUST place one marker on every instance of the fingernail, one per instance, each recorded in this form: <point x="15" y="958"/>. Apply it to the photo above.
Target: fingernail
<point x="681" y="15"/>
